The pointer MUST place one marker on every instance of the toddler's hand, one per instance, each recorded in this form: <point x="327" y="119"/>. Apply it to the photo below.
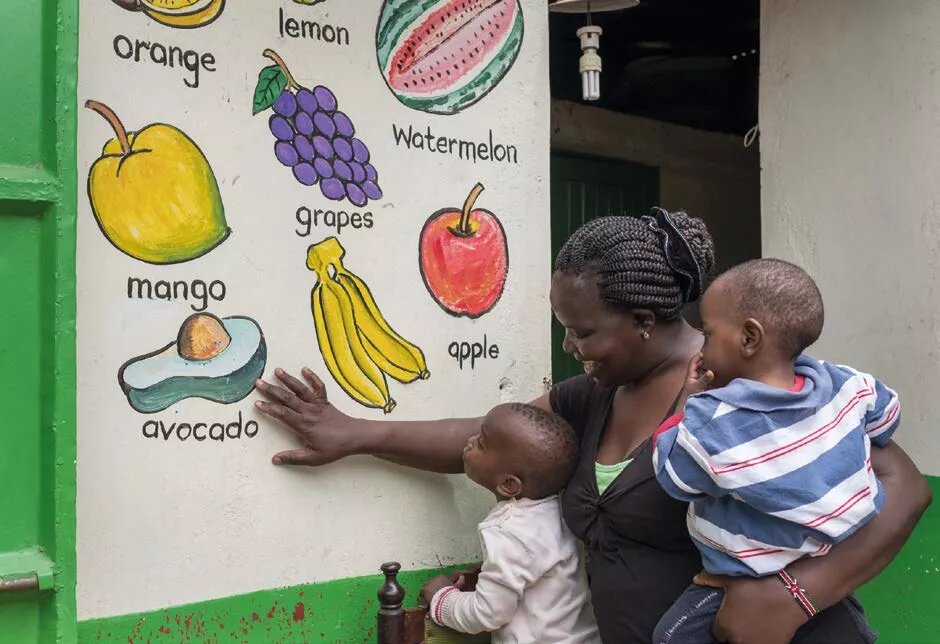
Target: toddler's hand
<point x="432" y="587"/>
<point x="467" y="579"/>
<point x="697" y="380"/>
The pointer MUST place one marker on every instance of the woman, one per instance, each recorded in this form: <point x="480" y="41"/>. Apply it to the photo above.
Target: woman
<point x="618" y="289"/>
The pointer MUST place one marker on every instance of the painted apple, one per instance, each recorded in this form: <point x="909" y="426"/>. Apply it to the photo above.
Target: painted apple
<point x="464" y="258"/>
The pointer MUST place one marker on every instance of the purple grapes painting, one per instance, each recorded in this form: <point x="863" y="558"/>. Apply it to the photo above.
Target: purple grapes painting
<point x="314" y="137"/>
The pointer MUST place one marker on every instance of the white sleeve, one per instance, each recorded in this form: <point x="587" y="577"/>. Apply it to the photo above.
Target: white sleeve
<point x="509" y="568"/>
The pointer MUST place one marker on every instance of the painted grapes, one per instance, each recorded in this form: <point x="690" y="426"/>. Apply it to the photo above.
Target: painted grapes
<point x="314" y="138"/>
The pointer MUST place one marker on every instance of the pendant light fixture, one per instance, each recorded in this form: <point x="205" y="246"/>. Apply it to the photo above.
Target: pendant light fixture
<point x="596" y="6"/>
<point x="590" y="62"/>
<point x="590" y="36"/>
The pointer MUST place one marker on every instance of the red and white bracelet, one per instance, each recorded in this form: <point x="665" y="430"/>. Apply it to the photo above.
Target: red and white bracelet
<point x="798" y="593"/>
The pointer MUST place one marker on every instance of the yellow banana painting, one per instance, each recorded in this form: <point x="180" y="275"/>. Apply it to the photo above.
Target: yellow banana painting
<point x="359" y="346"/>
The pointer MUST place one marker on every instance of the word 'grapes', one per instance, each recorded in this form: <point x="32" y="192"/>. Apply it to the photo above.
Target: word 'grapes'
<point x="318" y="141"/>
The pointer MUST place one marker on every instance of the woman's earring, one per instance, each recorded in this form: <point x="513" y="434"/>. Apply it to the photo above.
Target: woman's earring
<point x="645" y="334"/>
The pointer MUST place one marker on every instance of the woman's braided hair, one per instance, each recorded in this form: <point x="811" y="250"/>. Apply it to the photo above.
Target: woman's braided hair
<point x="634" y="265"/>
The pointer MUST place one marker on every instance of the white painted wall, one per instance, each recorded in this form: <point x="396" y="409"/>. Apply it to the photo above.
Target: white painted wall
<point x="171" y="522"/>
<point x="849" y="123"/>
<point x="710" y="175"/>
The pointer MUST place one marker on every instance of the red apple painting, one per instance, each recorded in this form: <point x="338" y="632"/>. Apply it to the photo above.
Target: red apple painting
<point x="464" y="258"/>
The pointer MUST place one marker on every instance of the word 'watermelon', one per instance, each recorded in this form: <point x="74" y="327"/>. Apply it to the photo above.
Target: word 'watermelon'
<point x="441" y="57"/>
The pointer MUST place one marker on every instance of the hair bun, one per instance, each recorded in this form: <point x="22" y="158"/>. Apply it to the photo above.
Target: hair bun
<point x="696" y="234"/>
<point x="686" y="247"/>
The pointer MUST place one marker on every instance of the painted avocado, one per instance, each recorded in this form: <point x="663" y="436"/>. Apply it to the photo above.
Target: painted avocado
<point x="211" y="358"/>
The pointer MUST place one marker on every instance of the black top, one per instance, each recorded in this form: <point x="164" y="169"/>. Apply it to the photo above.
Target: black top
<point x="639" y="554"/>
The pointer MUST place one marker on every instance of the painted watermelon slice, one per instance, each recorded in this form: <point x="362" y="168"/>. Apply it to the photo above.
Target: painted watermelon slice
<point x="443" y="56"/>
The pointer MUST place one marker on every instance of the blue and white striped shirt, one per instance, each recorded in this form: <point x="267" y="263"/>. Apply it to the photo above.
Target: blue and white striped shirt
<point x="773" y="475"/>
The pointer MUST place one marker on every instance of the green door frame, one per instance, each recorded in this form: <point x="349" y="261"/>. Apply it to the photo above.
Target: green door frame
<point x="584" y="188"/>
<point x="38" y="196"/>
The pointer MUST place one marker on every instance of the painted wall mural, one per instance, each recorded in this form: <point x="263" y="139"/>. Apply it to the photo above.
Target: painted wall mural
<point x="442" y="56"/>
<point x="153" y="193"/>
<point x="332" y="184"/>
<point x="358" y="345"/>
<point x="218" y="360"/>
<point x="180" y="14"/>
<point x="464" y="258"/>
<point x="314" y="137"/>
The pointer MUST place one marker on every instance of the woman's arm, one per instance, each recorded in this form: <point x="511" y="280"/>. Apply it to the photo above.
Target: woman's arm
<point x="329" y="435"/>
<point x="755" y="608"/>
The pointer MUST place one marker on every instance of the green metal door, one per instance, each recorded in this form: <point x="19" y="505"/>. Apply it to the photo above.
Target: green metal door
<point x="38" y="41"/>
<point x="585" y="188"/>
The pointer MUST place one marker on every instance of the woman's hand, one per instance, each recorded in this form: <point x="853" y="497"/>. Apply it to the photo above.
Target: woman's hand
<point x="304" y="408"/>
<point x="328" y="434"/>
<point x="754" y="610"/>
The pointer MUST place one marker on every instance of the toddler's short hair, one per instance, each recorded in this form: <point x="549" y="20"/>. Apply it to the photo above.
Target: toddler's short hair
<point x="549" y="451"/>
<point x="782" y="297"/>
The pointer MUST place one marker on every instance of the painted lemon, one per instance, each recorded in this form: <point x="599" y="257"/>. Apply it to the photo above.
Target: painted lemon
<point x="154" y="195"/>
<point x="183" y="14"/>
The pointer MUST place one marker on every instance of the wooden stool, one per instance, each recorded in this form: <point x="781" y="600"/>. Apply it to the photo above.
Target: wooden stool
<point x="397" y="625"/>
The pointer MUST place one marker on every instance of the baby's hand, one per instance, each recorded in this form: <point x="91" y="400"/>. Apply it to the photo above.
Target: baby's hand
<point x="432" y="587"/>
<point x="697" y="380"/>
<point x="467" y="579"/>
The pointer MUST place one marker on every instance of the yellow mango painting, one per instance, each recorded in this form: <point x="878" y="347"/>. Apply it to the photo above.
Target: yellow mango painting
<point x="154" y="194"/>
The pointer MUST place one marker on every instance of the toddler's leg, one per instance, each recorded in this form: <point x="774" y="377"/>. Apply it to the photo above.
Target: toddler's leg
<point x="689" y="620"/>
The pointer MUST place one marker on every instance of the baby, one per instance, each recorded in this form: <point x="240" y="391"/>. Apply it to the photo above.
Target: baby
<point x="530" y="588"/>
<point x="772" y="448"/>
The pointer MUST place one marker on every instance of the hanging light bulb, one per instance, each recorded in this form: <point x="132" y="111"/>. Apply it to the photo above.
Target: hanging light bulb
<point x="590" y="36"/>
<point x="590" y="63"/>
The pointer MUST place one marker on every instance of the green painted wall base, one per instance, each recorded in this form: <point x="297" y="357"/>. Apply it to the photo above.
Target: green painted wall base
<point x="341" y="611"/>
<point x="902" y="602"/>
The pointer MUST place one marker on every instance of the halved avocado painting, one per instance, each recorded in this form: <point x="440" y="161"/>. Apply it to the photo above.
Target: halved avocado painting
<point x="211" y="358"/>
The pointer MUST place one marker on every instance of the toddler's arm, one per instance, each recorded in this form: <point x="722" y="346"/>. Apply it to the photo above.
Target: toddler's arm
<point x="509" y="568"/>
<point x="697" y="381"/>
<point x="679" y="461"/>
<point x="884" y="416"/>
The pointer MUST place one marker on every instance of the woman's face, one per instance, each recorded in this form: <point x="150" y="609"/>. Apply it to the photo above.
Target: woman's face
<point x="605" y="341"/>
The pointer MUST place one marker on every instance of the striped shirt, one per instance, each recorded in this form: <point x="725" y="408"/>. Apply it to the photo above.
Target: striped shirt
<point x="773" y="475"/>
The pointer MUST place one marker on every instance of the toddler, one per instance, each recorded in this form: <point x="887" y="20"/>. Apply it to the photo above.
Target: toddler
<point x="531" y="588"/>
<point x="772" y="447"/>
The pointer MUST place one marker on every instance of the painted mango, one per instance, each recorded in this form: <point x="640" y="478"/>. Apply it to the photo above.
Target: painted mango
<point x="443" y="56"/>
<point x="154" y="194"/>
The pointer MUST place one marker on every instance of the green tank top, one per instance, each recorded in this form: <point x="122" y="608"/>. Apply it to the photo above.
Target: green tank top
<point x="607" y="473"/>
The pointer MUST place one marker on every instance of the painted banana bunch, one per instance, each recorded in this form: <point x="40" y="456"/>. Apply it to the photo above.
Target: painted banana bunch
<point x="358" y="345"/>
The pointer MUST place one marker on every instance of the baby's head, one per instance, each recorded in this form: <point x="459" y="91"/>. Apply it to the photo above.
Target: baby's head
<point x="757" y="313"/>
<point x="521" y="451"/>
